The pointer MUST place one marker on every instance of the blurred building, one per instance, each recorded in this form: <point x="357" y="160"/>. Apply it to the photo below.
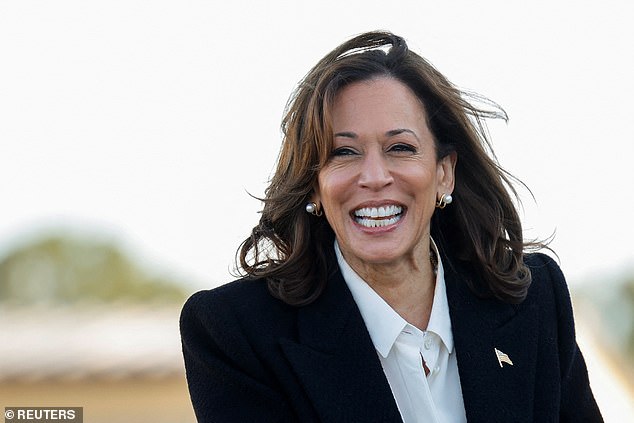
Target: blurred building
<point x="121" y="362"/>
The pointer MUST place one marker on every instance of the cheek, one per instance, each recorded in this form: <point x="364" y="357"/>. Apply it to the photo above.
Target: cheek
<point x="421" y="179"/>
<point x="330" y="188"/>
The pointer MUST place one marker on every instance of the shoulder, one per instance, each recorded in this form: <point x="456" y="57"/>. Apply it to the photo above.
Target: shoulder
<point x="242" y="306"/>
<point x="540" y="262"/>
<point x="549" y="289"/>
<point x="237" y="294"/>
<point x="547" y="280"/>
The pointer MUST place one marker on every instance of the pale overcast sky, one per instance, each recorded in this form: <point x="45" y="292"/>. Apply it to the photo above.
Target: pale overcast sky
<point x="149" y="121"/>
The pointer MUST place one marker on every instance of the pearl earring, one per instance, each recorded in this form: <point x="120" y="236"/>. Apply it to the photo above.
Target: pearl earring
<point x="313" y="209"/>
<point x="444" y="200"/>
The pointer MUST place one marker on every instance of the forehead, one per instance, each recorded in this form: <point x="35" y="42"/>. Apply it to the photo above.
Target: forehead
<point x="379" y="102"/>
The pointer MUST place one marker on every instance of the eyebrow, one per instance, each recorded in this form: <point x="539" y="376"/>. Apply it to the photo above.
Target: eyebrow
<point x="346" y="135"/>
<point x="390" y="133"/>
<point x="399" y="131"/>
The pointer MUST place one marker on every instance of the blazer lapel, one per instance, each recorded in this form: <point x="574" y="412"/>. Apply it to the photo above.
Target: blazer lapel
<point x="336" y="362"/>
<point x="492" y="391"/>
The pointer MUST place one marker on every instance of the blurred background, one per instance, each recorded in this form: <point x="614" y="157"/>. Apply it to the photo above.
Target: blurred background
<point x="133" y="132"/>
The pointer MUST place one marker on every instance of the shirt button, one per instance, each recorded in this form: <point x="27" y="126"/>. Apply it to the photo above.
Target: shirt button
<point x="427" y="343"/>
<point x="436" y="369"/>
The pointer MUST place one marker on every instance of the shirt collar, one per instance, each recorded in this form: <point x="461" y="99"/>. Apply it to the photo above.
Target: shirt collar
<point x="439" y="321"/>
<point x="383" y="323"/>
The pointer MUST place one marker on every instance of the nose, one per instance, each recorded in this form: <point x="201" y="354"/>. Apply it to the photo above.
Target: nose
<point x="375" y="172"/>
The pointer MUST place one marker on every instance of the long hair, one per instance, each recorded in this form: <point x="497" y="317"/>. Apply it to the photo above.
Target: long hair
<point x="294" y="250"/>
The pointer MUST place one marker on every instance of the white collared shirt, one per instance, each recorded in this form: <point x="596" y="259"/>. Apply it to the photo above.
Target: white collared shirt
<point x="401" y="347"/>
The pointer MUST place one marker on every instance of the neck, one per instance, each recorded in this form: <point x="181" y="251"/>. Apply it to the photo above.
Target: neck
<point x="407" y="286"/>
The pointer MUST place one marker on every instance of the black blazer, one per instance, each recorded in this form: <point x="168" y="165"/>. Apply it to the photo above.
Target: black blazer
<point x="252" y="358"/>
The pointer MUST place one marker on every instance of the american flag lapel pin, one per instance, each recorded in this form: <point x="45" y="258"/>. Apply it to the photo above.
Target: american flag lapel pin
<point x="502" y="357"/>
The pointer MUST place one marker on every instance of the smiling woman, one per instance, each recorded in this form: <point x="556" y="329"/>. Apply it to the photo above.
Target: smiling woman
<point x="379" y="188"/>
<point x="387" y="279"/>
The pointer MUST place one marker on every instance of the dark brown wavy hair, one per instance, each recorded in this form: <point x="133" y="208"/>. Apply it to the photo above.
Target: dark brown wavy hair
<point x="293" y="250"/>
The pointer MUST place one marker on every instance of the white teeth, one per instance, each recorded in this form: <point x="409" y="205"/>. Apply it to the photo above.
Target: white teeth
<point x="375" y="212"/>
<point x="376" y="217"/>
<point x="378" y="223"/>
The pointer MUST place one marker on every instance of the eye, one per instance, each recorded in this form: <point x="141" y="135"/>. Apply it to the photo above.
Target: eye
<point x="402" y="148"/>
<point x="343" y="151"/>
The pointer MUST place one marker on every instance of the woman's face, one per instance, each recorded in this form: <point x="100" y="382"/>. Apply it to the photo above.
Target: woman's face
<point x="379" y="187"/>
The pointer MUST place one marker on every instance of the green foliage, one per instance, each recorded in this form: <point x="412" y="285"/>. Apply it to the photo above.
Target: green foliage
<point x="612" y="300"/>
<point x="627" y="295"/>
<point x="63" y="269"/>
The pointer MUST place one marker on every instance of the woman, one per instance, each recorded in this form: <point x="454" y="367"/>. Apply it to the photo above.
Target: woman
<point x="387" y="278"/>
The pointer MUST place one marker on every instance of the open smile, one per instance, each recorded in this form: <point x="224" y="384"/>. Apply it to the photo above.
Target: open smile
<point x="378" y="217"/>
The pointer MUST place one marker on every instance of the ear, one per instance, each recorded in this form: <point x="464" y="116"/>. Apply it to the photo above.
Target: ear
<point x="316" y="196"/>
<point x="446" y="173"/>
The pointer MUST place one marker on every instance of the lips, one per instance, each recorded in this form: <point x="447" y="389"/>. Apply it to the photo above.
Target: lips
<point x="376" y="217"/>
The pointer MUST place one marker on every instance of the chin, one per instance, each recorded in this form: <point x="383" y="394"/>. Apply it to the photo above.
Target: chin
<point x="376" y="257"/>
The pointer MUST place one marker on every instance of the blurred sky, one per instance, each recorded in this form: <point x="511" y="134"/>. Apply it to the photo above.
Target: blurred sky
<point x="147" y="122"/>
